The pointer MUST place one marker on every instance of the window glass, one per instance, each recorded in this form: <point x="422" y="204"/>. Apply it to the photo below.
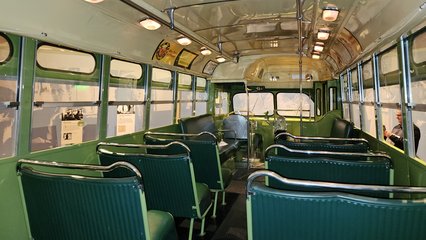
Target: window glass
<point x="5" y="49"/>
<point x="288" y="104"/>
<point x="419" y="48"/>
<point x="200" y="108"/>
<point x="259" y="103"/>
<point x="355" y="99"/>
<point x="7" y="130"/>
<point x="54" y="124"/>
<point x="63" y="59"/>
<point x="389" y="61"/>
<point x="123" y="69"/>
<point x="161" y="75"/>
<point x="345" y="98"/>
<point x="60" y="126"/>
<point x="318" y="101"/>
<point x="221" y="103"/>
<point x="125" y="119"/>
<point x="390" y="92"/>
<point x="201" y="83"/>
<point x="185" y="80"/>
<point x="368" y="84"/>
<point x="333" y="98"/>
<point x="185" y="103"/>
<point x="161" y="115"/>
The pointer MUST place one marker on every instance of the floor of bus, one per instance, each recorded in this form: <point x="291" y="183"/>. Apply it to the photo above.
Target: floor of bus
<point x="231" y="221"/>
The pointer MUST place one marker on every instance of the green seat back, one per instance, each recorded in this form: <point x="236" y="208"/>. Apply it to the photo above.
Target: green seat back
<point x="61" y="207"/>
<point x="280" y="214"/>
<point x="168" y="180"/>
<point x="329" y="170"/>
<point x="205" y="157"/>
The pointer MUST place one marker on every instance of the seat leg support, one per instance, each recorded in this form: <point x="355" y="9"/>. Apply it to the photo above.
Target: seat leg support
<point x="223" y="199"/>
<point x="202" y="232"/>
<point x="215" y="204"/>
<point x="191" y="228"/>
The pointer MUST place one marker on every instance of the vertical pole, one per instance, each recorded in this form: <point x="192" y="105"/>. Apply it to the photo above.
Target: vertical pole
<point x="299" y="29"/>
<point x="377" y="101"/>
<point x="407" y="98"/>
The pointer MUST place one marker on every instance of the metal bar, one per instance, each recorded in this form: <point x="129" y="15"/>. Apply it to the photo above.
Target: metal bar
<point x="407" y="98"/>
<point x="79" y="166"/>
<point x="159" y="16"/>
<point x="331" y="185"/>
<point x="377" y="101"/>
<point x="180" y="134"/>
<point x="117" y="103"/>
<point x="311" y="152"/>
<point x="300" y="48"/>
<point x="355" y="140"/>
<point x="128" y="145"/>
<point x="6" y="105"/>
<point x="65" y="104"/>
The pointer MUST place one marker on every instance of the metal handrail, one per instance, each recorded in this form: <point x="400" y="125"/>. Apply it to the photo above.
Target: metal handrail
<point x="98" y="168"/>
<point x="180" y="134"/>
<point x="312" y="152"/>
<point x="331" y="185"/>
<point x="355" y="140"/>
<point x="141" y="146"/>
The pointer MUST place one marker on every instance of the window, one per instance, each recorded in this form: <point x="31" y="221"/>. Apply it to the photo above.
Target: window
<point x="66" y="95"/>
<point x="201" y="96"/>
<point x="419" y="48"/>
<point x="288" y="104"/>
<point x="318" y="101"/>
<point x="368" y="83"/>
<point x="221" y="103"/>
<point x="161" y="113"/>
<point x="8" y="97"/>
<point x="333" y="98"/>
<point x="126" y="96"/>
<point x="185" y="95"/>
<point x="355" y="99"/>
<point x="260" y="104"/>
<point x="63" y="59"/>
<point x="5" y="49"/>
<point x="345" y="97"/>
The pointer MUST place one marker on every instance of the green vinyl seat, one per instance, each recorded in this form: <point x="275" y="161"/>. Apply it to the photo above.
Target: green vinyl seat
<point x="169" y="180"/>
<point x="278" y="214"/>
<point x="64" y="206"/>
<point x="205" y="156"/>
<point x="343" y="167"/>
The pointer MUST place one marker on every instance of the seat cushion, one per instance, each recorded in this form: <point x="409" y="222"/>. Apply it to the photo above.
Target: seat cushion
<point x="204" y="197"/>
<point x="161" y="225"/>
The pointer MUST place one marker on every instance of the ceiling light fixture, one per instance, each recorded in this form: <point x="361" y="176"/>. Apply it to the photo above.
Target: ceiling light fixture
<point x="150" y="24"/>
<point x="205" y="51"/>
<point x="94" y="1"/>
<point x="323" y="34"/>
<point x="315" y="55"/>
<point x="220" y="59"/>
<point x="330" y="13"/>
<point x="319" y="47"/>
<point x="184" y="41"/>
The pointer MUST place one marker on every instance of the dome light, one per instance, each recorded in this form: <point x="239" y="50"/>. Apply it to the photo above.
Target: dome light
<point x="330" y="13"/>
<point x="205" y="51"/>
<point x="184" y="41"/>
<point x="220" y="59"/>
<point x="319" y="47"/>
<point x="150" y="24"/>
<point x="94" y="1"/>
<point x="315" y="55"/>
<point x="323" y="34"/>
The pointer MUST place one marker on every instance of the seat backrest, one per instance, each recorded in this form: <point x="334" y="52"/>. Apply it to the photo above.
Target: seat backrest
<point x="238" y="124"/>
<point x="202" y="123"/>
<point x="204" y="155"/>
<point x="65" y="207"/>
<point x="325" y="146"/>
<point x="341" y="129"/>
<point x="329" y="166"/>
<point x="281" y="214"/>
<point x="169" y="180"/>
